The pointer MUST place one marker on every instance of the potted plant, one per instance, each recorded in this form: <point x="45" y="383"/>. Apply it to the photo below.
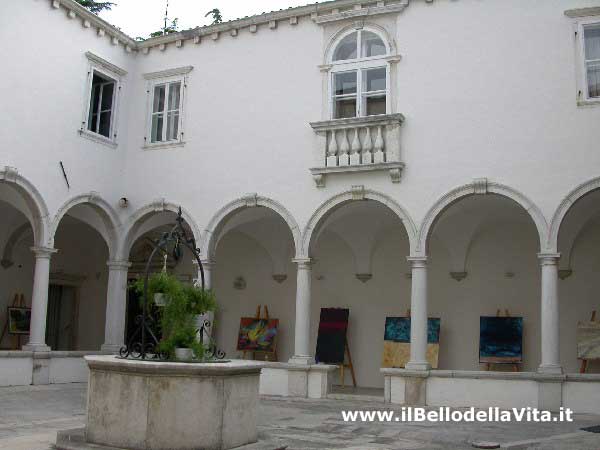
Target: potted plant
<point x="160" y="287"/>
<point x="201" y="304"/>
<point x="178" y="323"/>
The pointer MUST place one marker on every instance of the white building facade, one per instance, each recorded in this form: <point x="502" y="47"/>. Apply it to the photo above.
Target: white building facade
<point x="436" y="156"/>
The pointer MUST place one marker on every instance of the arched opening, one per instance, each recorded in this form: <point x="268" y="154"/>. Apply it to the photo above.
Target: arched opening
<point x="482" y="252"/>
<point x="252" y="248"/>
<point x="143" y="232"/>
<point x="359" y="249"/>
<point x="23" y="226"/>
<point x="85" y="238"/>
<point x="578" y="239"/>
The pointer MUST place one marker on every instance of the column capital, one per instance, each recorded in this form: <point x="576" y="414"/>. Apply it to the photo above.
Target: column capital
<point x="548" y="259"/>
<point x="43" y="252"/>
<point x="417" y="261"/>
<point x="303" y="263"/>
<point x="118" y="265"/>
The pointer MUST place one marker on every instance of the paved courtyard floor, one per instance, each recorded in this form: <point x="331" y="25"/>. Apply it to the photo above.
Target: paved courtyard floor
<point x="30" y="417"/>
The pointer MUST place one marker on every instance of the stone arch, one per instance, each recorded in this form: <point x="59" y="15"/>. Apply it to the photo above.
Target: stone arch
<point x="564" y="207"/>
<point x="336" y="202"/>
<point x="131" y="227"/>
<point x="20" y="233"/>
<point x="368" y="26"/>
<point x="479" y="187"/>
<point x="38" y="213"/>
<point x="105" y="211"/>
<point x="211" y="234"/>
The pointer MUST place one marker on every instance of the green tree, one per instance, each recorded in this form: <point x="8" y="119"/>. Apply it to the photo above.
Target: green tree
<point x="216" y="15"/>
<point x="95" y="6"/>
<point x="172" y="28"/>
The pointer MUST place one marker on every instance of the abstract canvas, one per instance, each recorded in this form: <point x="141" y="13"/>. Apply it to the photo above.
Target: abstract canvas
<point x="588" y="340"/>
<point x="500" y="340"/>
<point x="257" y="335"/>
<point x="331" y="340"/>
<point x="18" y="320"/>
<point x="396" y="345"/>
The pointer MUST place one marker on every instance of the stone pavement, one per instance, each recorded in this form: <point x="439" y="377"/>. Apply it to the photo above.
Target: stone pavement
<point x="30" y="417"/>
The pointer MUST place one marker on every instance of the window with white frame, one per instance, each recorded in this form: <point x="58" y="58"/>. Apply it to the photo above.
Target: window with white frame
<point x="104" y="83"/>
<point x="102" y="101"/>
<point x="591" y="52"/>
<point x="359" y="76"/>
<point x="166" y="95"/>
<point x="166" y="112"/>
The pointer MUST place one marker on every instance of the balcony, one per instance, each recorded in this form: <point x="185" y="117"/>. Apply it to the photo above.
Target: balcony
<point x="358" y="144"/>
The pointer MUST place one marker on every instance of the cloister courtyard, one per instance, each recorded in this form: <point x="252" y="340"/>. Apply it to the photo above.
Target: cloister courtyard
<point x="31" y="416"/>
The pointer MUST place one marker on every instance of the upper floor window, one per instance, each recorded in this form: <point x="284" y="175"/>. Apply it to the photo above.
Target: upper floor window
<point x="104" y="84"/>
<point x="166" y="92"/>
<point x="166" y="111"/>
<point x="102" y="100"/>
<point x="591" y="44"/>
<point x="359" y="83"/>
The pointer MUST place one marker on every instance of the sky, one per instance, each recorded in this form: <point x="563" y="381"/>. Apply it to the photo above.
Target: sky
<point x="142" y="17"/>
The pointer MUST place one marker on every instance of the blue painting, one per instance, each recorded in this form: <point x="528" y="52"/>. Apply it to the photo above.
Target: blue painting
<point x="397" y="329"/>
<point x="396" y="345"/>
<point x="500" y="340"/>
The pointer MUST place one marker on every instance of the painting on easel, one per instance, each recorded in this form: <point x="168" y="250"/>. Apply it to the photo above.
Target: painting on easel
<point x="588" y="341"/>
<point x="257" y="335"/>
<point x="18" y="320"/>
<point x="331" y="340"/>
<point x="500" y="340"/>
<point x="396" y="345"/>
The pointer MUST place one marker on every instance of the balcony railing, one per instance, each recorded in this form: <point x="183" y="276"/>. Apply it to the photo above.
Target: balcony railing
<point x="358" y="144"/>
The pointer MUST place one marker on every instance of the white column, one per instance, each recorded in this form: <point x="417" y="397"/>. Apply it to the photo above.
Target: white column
<point x="418" y="321"/>
<point x="550" y="315"/>
<point x="302" y="353"/>
<point x="116" y="306"/>
<point x="208" y="266"/>
<point x="39" y="300"/>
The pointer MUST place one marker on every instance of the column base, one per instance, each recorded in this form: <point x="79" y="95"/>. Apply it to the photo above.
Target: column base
<point x="303" y="360"/>
<point x="36" y="348"/>
<point x="418" y="365"/>
<point x="550" y="368"/>
<point x="110" y="348"/>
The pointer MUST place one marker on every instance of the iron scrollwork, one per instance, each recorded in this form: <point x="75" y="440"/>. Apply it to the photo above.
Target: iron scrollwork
<point x="143" y="343"/>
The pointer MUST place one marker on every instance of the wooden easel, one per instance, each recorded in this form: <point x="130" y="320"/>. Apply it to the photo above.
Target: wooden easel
<point x="515" y="366"/>
<point x="18" y="302"/>
<point x="348" y="365"/>
<point x="584" y="362"/>
<point x="266" y="354"/>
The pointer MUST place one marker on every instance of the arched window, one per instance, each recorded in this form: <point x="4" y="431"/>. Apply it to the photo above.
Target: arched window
<point x="359" y="76"/>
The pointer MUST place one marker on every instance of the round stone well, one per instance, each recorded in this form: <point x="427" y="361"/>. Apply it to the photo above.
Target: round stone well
<point x="142" y="405"/>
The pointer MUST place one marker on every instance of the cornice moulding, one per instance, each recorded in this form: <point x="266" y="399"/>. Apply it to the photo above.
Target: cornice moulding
<point x="168" y="73"/>
<point x="105" y="64"/>
<point x="583" y="12"/>
<point x="84" y="14"/>
<point x="363" y="12"/>
<point x="384" y="119"/>
<point x="318" y="12"/>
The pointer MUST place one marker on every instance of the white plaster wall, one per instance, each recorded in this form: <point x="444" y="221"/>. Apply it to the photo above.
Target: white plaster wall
<point x="82" y="254"/>
<point x="579" y="296"/>
<point x="478" y="102"/>
<point x="68" y="370"/>
<point x="15" y="371"/>
<point x="581" y="397"/>
<point x="237" y="255"/>
<point x="46" y="86"/>
<point x="481" y="393"/>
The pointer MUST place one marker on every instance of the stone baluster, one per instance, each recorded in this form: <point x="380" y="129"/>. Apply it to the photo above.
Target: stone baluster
<point x="344" y="158"/>
<point x="367" y="156"/>
<point x="332" y="150"/>
<point x="379" y="155"/>
<point x="355" y="149"/>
